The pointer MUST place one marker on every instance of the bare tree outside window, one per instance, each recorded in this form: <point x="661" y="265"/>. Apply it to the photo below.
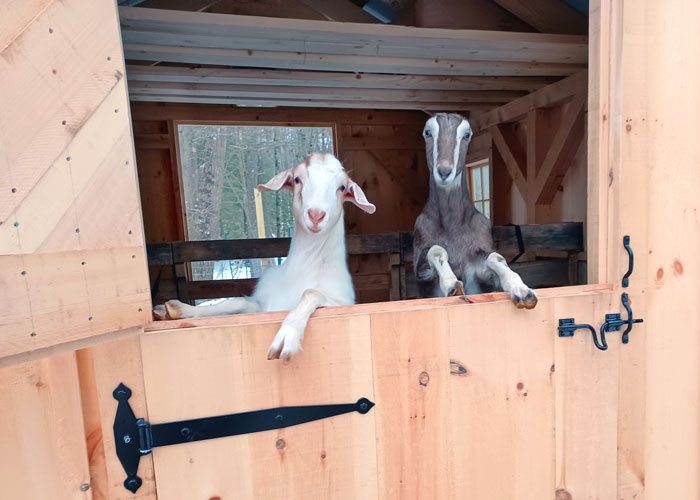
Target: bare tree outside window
<point x="221" y="166"/>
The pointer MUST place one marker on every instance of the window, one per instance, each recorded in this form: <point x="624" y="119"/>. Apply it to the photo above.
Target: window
<point x="479" y="186"/>
<point x="221" y="165"/>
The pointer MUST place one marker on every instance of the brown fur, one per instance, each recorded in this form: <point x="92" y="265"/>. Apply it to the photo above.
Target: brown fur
<point x="451" y="220"/>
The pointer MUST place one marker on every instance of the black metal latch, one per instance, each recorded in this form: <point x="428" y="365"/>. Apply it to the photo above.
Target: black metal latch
<point x="613" y="322"/>
<point x="134" y="437"/>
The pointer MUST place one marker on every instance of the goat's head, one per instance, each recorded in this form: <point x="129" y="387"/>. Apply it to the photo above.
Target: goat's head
<point x="320" y="186"/>
<point x="447" y="138"/>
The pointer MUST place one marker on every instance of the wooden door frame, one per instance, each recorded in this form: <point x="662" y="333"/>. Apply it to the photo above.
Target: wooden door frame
<point x="643" y="181"/>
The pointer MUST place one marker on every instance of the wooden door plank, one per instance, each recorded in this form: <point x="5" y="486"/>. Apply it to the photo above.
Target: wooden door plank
<point x="586" y="381"/>
<point x="72" y="261"/>
<point x="113" y="363"/>
<point x="411" y="367"/>
<point x="502" y="441"/>
<point x="43" y="453"/>
<point x="224" y="370"/>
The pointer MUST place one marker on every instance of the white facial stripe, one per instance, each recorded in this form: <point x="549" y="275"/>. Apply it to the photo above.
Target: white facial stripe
<point x="434" y="128"/>
<point x="463" y="129"/>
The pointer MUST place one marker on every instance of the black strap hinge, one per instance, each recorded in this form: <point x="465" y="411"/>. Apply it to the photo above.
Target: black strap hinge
<point x="134" y="437"/>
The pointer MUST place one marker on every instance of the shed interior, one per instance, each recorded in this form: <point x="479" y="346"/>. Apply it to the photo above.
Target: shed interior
<point x="372" y="72"/>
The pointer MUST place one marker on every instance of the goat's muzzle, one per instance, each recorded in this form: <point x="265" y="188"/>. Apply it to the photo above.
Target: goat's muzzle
<point x="444" y="171"/>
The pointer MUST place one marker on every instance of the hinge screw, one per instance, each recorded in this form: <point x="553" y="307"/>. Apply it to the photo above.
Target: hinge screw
<point x="127" y="438"/>
<point x="84" y="487"/>
<point x="185" y="431"/>
<point x="363" y="406"/>
<point x="279" y="418"/>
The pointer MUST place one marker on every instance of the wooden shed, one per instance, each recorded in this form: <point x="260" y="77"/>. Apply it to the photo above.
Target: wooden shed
<point x="584" y="157"/>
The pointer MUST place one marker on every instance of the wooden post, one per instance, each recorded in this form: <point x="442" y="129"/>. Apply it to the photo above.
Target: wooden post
<point x="644" y="182"/>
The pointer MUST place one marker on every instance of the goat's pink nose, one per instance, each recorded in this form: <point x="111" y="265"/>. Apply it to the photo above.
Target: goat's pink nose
<point x="316" y="216"/>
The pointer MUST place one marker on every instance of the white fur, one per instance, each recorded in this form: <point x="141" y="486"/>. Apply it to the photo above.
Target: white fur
<point x="315" y="272"/>
<point x="434" y="127"/>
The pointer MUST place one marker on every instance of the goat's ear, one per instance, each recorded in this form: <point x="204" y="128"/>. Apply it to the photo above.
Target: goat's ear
<point x="355" y="195"/>
<point x="283" y="180"/>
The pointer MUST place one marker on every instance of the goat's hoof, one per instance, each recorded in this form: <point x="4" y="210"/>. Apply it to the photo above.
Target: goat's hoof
<point x="274" y="353"/>
<point x="437" y="254"/>
<point x="175" y="309"/>
<point x="457" y="290"/>
<point x="159" y="313"/>
<point x="291" y="347"/>
<point x="529" y="301"/>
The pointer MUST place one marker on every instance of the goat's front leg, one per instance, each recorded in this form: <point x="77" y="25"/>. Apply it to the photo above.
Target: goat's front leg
<point x="237" y="305"/>
<point x="511" y="282"/>
<point x="439" y="262"/>
<point x="288" y="339"/>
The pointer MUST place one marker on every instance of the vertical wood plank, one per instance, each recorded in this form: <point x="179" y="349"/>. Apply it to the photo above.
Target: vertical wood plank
<point x="214" y="371"/>
<point x="586" y="387"/>
<point x="115" y="362"/>
<point x="659" y="159"/>
<point x="43" y="454"/>
<point x="502" y="402"/>
<point x="411" y="367"/>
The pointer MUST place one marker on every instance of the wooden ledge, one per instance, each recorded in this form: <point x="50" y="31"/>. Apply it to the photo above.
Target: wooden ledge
<point x="373" y="308"/>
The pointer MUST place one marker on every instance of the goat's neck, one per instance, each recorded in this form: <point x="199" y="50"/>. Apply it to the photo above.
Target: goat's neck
<point x="315" y="249"/>
<point x="453" y="205"/>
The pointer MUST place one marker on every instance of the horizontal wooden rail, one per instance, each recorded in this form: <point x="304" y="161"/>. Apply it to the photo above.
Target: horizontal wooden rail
<point x="565" y="236"/>
<point x="399" y="280"/>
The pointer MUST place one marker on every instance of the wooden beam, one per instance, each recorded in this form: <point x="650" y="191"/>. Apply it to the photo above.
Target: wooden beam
<point x="242" y="76"/>
<point x="317" y="61"/>
<point x="566" y="142"/>
<point x="282" y="116"/>
<point x="294" y="35"/>
<point x="310" y="103"/>
<point x="548" y="16"/>
<point x="512" y="164"/>
<point x="546" y="96"/>
<point x="319" y="93"/>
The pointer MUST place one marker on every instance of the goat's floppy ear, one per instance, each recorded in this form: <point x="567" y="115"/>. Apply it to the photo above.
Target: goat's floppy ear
<point x="355" y="195"/>
<point x="283" y="180"/>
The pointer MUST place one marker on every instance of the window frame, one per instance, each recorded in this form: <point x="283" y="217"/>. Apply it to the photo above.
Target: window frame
<point x="470" y="166"/>
<point x="176" y="166"/>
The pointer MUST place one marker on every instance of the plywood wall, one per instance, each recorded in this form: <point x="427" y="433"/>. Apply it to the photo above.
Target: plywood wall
<point x="72" y="260"/>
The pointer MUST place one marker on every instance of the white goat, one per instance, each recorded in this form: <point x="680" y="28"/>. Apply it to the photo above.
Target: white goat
<point x="315" y="273"/>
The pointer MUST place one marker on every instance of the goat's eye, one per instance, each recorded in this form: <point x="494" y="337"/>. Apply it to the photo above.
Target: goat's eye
<point x="427" y="133"/>
<point x="342" y="188"/>
<point x="467" y="137"/>
<point x="297" y="180"/>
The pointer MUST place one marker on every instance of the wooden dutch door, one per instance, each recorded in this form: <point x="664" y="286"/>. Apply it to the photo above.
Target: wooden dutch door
<point x="473" y="398"/>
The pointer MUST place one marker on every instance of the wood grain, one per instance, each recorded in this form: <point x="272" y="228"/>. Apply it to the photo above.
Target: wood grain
<point x="72" y="261"/>
<point x="43" y="453"/>
<point x="327" y="458"/>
